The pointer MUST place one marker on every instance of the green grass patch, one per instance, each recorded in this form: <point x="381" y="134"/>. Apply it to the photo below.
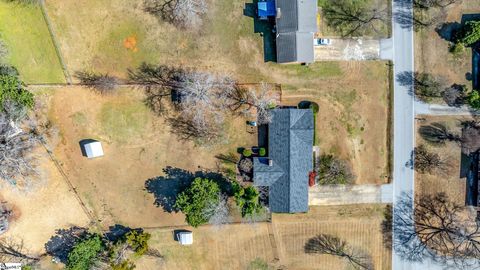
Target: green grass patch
<point x="79" y="119"/>
<point x="31" y="48"/>
<point x="315" y="70"/>
<point x="124" y="121"/>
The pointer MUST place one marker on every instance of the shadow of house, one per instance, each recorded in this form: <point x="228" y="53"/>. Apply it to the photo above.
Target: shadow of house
<point x="470" y="162"/>
<point x="266" y="28"/>
<point x="448" y="30"/>
<point x="166" y="188"/>
<point x="475" y="68"/>
<point x="60" y="245"/>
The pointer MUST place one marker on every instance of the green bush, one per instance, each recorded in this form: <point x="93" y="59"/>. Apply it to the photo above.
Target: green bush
<point x="474" y="99"/>
<point x="11" y="88"/>
<point x="315" y="108"/>
<point x="84" y="253"/>
<point x="125" y="265"/>
<point x="138" y="241"/>
<point x="247" y="153"/>
<point x="457" y="50"/>
<point x="470" y="33"/>
<point x="247" y="199"/>
<point x="262" y="152"/>
<point x="201" y="194"/>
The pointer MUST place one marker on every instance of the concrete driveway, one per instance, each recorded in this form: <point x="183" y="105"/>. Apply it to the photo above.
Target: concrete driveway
<point x="349" y="194"/>
<point x="348" y="49"/>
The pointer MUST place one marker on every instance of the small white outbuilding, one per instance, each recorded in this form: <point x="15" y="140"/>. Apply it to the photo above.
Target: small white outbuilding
<point x="185" y="238"/>
<point x="93" y="149"/>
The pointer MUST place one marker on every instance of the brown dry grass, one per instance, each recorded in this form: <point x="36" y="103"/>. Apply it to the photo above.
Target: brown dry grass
<point x="432" y="52"/>
<point x="44" y="209"/>
<point x="138" y="145"/>
<point x="236" y="246"/>
<point x="353" y="118"/>
<point x="451" y="183"/>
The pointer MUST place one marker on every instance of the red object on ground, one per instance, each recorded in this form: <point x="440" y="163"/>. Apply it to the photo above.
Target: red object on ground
<point x="311" y="178"/>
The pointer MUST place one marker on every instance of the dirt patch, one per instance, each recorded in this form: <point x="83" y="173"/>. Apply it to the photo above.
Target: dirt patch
<point x="138" y="146"/>
<point x="353" y="117"/>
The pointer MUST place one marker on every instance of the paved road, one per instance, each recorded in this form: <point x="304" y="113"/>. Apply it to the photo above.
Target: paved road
<point x="404" y="117"/>
<point x="404" y="114"/>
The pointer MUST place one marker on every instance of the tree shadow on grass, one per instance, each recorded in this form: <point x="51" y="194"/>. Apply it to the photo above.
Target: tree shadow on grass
<point x="166" y="188"/>
<point x="63" y="242"/>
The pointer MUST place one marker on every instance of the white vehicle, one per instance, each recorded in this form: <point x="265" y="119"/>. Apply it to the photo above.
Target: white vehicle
<point x="322" y="41"/>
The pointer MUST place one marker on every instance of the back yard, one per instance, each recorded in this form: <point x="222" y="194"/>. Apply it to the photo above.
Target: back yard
<point x="138" y="146"/>
<point x="277" y="245"/>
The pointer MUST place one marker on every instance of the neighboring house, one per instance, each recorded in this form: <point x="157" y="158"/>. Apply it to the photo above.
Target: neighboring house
<point x="285" y="171"/>
<point x="470" y="164"/>
<point x="296" y="24"/>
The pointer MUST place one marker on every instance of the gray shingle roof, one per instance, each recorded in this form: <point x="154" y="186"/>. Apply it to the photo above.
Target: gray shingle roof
<point x="295" y="23"/>
<point x="290" y="139"/>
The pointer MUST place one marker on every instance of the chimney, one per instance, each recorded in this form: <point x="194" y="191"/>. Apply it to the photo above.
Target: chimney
<point x="270" y="162"/>
<point x="279" y="13"/>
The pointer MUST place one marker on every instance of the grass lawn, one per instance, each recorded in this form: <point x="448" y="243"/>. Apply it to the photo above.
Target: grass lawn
<point x="450" y="183"/>
<point x="138" y="146"/>
<point x="25" y="32"/>
<point x="432" y="51"/>
<point x="352" y="122"/>
<point x="247" y="246"/>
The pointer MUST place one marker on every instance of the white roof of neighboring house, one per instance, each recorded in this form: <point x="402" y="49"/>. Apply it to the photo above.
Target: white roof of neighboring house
<point x="93" y="149"/>
<point x="185" y="238"/>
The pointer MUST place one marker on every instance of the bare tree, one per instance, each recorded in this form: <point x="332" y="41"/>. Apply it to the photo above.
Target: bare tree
<point x="103" y="83"/>
<point x="16" y="160"/>
<point x="332" y="245"/>
<point x="14" y="250"/>
<point x="427" y="162"/>
<point x="332" y="170"/>
<point x="470" y="137"/>
<point x="427" y="86"/>
<point x="435" y="227"/>
<point x="455" y="95"/>
<point x="220" y="213"/>
<point x="158" y="81"/>
<point x="437" y="133"/>
<point x="186" y="14"/>
<point x="354" y="18"/>
<point x="427" y="4"/>
<point x="244" y="101"/>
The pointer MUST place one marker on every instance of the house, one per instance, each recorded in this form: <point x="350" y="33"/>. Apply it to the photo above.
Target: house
<point x="286" y="169"/>
<point x="296" y="24"/>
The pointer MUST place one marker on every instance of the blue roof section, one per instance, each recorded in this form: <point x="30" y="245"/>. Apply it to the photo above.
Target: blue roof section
<point x="290" y="140"/>
<point x="266" y="8"/>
